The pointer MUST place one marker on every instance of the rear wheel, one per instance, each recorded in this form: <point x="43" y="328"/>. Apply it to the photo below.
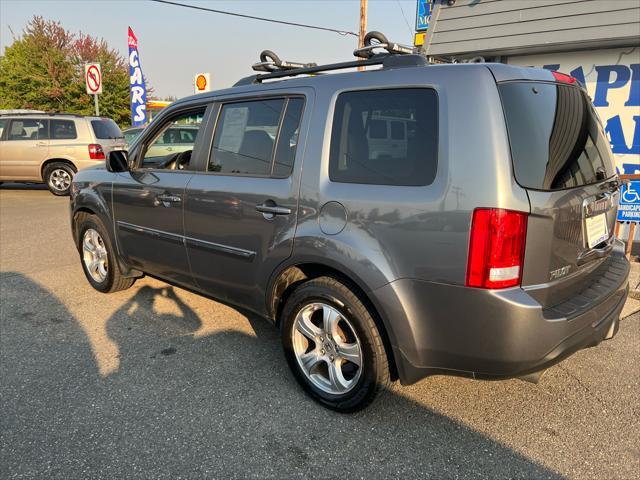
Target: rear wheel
<point x="98" y="257"/>
<point x="333" y="346"/>
<point x="58" y="176"/>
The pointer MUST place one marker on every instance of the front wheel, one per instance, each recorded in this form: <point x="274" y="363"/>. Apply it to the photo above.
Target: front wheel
<point x="333" y="346"/>
<point x="98" y="257"/>
<point x="58" y="178"/>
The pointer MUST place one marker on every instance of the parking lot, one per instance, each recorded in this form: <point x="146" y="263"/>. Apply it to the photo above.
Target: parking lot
<point x="158" y="382"/>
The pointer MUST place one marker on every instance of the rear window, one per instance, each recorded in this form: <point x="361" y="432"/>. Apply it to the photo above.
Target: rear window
<point x="363" y="152"/>
<point x="557" y="141"/>
<point x="106" y="128"/>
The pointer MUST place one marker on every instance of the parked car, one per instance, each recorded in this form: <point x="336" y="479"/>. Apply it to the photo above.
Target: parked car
<point x="484" y="248"/>
<point x="51" y="148"/>
<point x="130" y="134"/>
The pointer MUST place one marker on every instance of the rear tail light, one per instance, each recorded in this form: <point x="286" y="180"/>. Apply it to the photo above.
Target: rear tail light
<point x="96" y="152"/>
<point x="563" y="77"/>
<point x="496" y="248"/>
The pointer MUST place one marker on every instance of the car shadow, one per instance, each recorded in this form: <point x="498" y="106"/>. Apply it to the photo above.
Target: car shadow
<point x="22" y="186"/>
<point x="190" y="400"/>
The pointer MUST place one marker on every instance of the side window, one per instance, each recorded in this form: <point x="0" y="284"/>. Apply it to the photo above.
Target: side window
<point x="361" y="153"/>
<point x="170" y="148"/>
<point x="3" y="122"/>
<point x="28" y="129"/>
<point x="62" y="129"/>
<point x="245" y="137"/>
<point x="288" y="138"/>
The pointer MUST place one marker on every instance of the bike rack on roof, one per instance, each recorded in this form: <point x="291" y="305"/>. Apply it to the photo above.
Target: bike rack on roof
<point x="393" y="56"/>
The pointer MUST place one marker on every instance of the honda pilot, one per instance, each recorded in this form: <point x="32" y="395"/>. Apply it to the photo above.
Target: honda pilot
<point x="477" y="240"/>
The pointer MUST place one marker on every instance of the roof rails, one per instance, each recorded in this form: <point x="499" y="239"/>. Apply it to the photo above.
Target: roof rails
<point x="40" y="113"/>
<point x="394" y="55"/>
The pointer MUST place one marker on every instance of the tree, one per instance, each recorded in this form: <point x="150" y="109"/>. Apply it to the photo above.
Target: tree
<point x="44" y="70"/>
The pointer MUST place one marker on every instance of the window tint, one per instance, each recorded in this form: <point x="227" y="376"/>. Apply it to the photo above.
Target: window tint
<point x="105" y="128"/>
<point x="556" y="138"/>
<point x="288" y="138"/>
<point x="173" y="144"/>
<point x="359" y="155"/>
<point x="62" y="129"/>
<point x="28" y="129"/>
<point x="245" y="136"/>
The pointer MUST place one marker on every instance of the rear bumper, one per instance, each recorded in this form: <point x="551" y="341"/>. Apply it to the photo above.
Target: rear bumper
<point x="446" y="329"/>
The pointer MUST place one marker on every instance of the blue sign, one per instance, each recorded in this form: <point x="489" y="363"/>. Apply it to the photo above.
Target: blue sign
<point x="423" y="14"/>
<point x="629" y="208"/>
<point x="137" y="87"/>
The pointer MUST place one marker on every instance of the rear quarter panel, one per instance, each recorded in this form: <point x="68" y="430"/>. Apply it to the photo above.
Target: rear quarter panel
<point x="394" y="232"/>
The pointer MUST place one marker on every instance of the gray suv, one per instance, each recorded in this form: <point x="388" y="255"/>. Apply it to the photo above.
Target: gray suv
<point x="394" y="223"/>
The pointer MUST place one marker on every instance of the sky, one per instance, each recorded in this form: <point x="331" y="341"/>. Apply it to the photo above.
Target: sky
<point x="175" y="43"/>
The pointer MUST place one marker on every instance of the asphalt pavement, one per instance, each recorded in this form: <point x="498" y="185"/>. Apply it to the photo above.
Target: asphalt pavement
<point x="157" y="382"/>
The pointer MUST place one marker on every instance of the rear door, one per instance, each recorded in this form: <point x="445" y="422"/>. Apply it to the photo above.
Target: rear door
<point x="562" y="157"/>
<point x="240" y="214"/>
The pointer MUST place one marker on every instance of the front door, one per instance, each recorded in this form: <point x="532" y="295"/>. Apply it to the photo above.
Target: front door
<point x="240" y="215"/>
<point x="24" y="148"/>
<point x="148" y="203"/>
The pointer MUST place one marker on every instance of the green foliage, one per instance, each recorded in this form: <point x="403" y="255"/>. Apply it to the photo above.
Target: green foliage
<point x="44" y="70"/>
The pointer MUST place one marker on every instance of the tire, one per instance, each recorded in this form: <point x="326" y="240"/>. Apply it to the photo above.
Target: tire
<point x="58" y="177"/>
<point x="357" y="386"/>
<point x="108" y="279"/>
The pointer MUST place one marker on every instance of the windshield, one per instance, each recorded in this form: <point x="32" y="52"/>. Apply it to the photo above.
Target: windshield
<point x="105" y="128"/>
<point x="556" y="138"/>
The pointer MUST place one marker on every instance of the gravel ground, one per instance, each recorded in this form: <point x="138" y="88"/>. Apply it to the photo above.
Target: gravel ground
<point x="156" y="382"/>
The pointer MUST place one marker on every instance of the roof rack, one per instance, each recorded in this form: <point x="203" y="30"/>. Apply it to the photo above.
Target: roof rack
<point x="393" y="56"/>
<point x="270" y="62"/>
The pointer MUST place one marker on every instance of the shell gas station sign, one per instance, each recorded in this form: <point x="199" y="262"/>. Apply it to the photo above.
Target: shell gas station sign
<point x="202" y="82"/>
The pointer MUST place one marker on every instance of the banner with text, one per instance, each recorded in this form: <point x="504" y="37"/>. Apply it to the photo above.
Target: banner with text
<point x="137" y="87"/>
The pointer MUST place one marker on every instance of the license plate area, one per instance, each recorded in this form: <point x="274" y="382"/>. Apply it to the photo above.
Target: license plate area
<point x="596" y="230"/>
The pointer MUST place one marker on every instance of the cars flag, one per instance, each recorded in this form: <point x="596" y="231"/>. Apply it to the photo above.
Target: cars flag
<point x="137" y="87"/>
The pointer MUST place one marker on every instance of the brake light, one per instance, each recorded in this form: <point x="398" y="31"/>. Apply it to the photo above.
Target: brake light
<point x="96" y="152"/>
<point x="496" y="248"/>
<point x="563" y="78"/>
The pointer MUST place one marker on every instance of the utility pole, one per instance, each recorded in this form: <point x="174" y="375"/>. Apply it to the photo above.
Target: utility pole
<point x="363" y="25"/>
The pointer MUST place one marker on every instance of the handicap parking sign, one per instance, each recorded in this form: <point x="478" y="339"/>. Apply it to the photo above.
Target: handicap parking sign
<point x="629" y="208"/>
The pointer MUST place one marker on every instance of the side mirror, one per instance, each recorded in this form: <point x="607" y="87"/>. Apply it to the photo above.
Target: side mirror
<point x="117" y="161"/>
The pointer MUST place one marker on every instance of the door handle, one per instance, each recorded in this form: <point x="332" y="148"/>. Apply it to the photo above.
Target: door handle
<point x="167" y="199"/>
<point x="270" y="209"/>
<point x="41" y="144"/>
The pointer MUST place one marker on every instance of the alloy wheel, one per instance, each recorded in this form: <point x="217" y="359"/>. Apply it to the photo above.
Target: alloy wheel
<point x="94" y="255"/>
<point x="60" y="180"/>
<point x="327" y="348"/>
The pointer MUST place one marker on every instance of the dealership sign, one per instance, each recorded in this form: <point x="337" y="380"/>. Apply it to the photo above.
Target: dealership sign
<point x="137" y="87"/>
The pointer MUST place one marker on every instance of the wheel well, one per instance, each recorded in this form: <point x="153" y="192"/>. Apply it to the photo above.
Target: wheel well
<point x="56" y="160"/>
<point x="78" y="216"/>
<point x="295" y="275"/>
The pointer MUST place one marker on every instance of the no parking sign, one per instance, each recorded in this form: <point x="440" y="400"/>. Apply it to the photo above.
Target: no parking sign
<point x="93" y="78"/>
